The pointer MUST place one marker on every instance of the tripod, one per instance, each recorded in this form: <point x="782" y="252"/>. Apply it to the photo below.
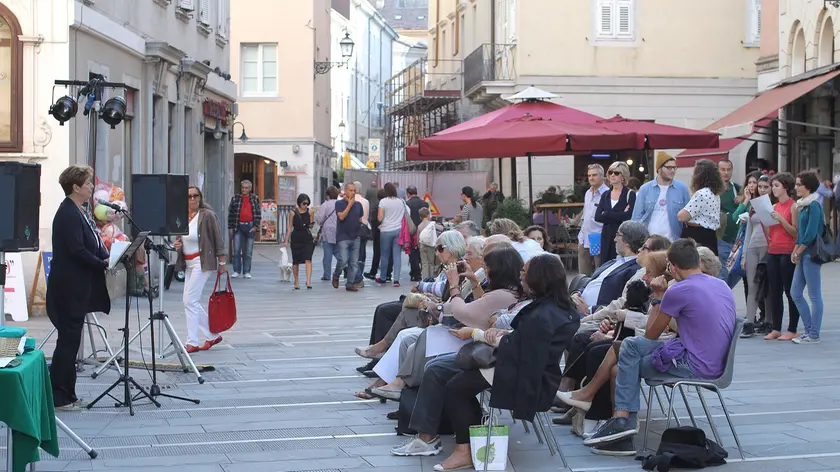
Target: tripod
<point x="125" y="380"/>
<point x="90" y="320"/>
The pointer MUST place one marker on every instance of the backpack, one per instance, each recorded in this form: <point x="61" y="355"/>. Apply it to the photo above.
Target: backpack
<point x="685" y="447"/>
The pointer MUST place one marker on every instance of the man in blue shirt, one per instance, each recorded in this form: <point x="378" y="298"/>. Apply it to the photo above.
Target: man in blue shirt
<point x="350" y="216"/>
<point x="659" y="200"/>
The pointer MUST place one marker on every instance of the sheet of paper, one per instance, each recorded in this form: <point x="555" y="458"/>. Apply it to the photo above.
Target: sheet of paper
<point x="4" y="361"/>
<point x="440" y="341"/>
<point x="389" y="365"/>
<point x="117" y="250"/>
<point x="763" y="207"/>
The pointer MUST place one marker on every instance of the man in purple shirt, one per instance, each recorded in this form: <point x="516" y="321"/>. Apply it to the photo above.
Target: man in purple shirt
<point x="704" y="310"/>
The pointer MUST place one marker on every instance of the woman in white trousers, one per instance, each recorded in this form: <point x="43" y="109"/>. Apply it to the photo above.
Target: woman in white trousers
<point x="201" y="253"/>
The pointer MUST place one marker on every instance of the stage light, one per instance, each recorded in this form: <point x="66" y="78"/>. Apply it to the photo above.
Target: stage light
<point x="64" y="109"/>
<point x="113" y="112"/>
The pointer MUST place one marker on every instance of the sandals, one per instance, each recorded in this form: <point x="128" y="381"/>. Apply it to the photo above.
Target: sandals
<point x="364" y="395"/>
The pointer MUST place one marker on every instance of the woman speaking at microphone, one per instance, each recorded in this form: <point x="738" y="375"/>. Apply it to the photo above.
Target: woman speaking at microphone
<point x="76" y="285"/>
<point x="200" y="254"/>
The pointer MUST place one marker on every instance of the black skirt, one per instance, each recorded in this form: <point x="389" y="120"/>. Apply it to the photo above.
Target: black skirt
<point x="702" y="236"/>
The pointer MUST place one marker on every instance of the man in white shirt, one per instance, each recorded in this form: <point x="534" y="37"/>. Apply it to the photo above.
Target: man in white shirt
<point x="362" y="241"/>
<point x="586" y="219"/>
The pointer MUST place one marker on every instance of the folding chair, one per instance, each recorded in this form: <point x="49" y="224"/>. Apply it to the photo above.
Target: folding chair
<point x="715" y="385"/>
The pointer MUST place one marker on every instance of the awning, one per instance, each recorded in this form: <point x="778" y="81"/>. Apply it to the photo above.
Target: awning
<point x="688" y="157"/>
<point x="740" y="122"/>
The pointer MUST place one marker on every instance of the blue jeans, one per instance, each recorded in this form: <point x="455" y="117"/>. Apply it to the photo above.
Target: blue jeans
<point x="724" y="249"/>
<point x="348" y="254"/>
<point x="242" y="252"/>
<point x="329" y="252"/>
<point x="635" y="364"/>
<point x="390" y="251"/>
<point x="807" y="273"/>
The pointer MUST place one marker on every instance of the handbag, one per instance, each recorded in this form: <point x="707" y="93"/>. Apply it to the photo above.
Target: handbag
<point x="412" y="228"/>
<point x="364" y="232"/>
<point x="824" y="250"/>
<point x="475" y="355"/>
<point x="222" y="307"/>
<point x="734" y="264"/>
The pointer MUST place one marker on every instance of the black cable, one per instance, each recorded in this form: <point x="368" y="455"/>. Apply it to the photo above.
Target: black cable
<point x="140" y="338"/>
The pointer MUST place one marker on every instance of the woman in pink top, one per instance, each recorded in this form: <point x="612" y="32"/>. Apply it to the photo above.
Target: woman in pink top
<point x="779" y="266"/>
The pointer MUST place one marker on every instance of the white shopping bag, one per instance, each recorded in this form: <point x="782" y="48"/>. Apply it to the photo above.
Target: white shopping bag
<point x="495" y="453"/>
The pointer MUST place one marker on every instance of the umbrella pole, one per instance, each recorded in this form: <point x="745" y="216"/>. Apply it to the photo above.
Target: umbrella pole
<point x="530" y="184"/>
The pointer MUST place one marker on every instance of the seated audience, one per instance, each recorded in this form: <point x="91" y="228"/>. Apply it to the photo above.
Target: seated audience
<point x="468" y="229"/>
<point x="527" y="248"/>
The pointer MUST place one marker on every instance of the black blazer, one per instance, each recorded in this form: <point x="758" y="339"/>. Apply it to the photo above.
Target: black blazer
<point x="76" y="285"/>
<point x="612" y="217"/>
<point x="613" y="285"/>
<point x="415" y="203"/>
<point x="528" y="371"/>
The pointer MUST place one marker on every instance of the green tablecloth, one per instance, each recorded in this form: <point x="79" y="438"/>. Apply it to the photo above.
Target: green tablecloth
<point x="27" y="408"/>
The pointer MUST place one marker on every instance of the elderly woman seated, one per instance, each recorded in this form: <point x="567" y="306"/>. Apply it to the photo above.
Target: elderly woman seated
<point x="527" y="248"/>
<point x="526" y="372"/>
<point x="595" y="399"/>
<point x="451" y="248"/>
<point x="502" y="269"/>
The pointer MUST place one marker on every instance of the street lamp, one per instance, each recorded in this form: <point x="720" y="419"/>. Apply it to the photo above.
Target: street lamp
<point x="346" y="45"/>
<point x="834" y="3"/>
<point x="242" y="137"/>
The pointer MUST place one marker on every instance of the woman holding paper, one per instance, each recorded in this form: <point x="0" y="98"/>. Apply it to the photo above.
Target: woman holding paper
<point x="755" y="248"/>
<point x="780" y="268"/>
<point x="200" y="254"/>
<point x="76" y="284"/>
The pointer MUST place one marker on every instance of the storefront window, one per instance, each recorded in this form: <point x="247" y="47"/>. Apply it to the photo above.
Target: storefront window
<point x="10" y="82"/>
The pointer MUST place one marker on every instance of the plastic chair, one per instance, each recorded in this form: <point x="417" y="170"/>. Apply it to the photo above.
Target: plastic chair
<point x="715" y="385"/>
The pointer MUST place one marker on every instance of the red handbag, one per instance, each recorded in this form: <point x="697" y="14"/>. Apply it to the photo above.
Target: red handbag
<point x="222" y="308"/>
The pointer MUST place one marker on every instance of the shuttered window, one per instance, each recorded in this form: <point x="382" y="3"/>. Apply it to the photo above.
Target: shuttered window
<point x="222" y="24"/>
<point x="754" y="27"/>
<point x="188" y="5"/>
<point x="204" y="12"/>
<point x="615" y="19"/>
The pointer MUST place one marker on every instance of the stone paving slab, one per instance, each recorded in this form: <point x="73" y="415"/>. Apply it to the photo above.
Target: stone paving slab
<point x="281" y="396"/>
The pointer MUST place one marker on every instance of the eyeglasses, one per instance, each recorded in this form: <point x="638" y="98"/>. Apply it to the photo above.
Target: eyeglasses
<point x="670" y="167"/>
<point x="193" y="196"/>
<point x="615" y="172"/>
<point x="644" y="248"/>
<point x="440" y="248"/>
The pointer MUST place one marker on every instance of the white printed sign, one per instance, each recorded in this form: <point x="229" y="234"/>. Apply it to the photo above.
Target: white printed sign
<point x="15" y="289"/>
<point x="374" y="151"/>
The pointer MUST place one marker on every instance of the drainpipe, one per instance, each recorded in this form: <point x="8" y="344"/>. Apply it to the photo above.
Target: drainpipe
<point x="148" y="124"/>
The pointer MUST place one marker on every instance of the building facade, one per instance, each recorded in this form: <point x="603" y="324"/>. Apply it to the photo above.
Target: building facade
<point x="410" y="20"/>
<point x="284" y="105"/>
<point x="165" y="52"/>
<point x="357" y="88"/>
<point x="604" y="57"/>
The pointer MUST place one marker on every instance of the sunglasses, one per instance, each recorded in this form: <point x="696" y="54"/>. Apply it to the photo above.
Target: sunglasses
<point x="615" y="172"/>
<point x="193" y="196"/>
<point x="304" y="204"/>
<point x="440" y="248"/>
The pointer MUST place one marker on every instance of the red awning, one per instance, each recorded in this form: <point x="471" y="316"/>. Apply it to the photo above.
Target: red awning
<point x="770" y="102"/>
<point x="688" y="157"/>
<point x="659" y="136"/>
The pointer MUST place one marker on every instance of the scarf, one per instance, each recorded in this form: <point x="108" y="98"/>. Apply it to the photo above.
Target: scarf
<point x="805" y="201"/>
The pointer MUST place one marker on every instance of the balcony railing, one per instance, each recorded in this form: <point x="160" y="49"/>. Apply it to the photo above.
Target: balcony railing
<point x="489" y="63"/>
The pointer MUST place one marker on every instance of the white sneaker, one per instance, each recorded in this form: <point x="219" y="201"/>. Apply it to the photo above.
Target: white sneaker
<point x="417" y="447"/>
<point x="247" y="276"/>
<point x="234" y="275"/>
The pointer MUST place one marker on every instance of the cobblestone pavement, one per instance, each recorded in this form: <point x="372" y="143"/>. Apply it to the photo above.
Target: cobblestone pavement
<point x="280" y="398"/>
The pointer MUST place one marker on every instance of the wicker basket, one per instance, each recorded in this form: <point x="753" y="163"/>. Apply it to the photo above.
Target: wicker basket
<point x="9" y="346"/>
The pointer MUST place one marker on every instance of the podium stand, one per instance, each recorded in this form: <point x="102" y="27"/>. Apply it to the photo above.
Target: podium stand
<point x="125" y="380"/>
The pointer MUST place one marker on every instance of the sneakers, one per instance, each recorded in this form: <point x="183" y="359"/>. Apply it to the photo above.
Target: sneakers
<point x="614" y="430"/>
<point x="749" y="330"/>
<point x="621" y="448"/>
<point x="806" y="339"/>
<point x="396" y="285"/>
<point x="71" y="407"/>
<point x="417" y="447"/>
<point x="234" y="275"/>
<point x="247" y="276"/>
<point x="379" y="281"/>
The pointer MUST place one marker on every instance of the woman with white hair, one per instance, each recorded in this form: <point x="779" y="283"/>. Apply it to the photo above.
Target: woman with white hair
<point x="615" y="208"/>
<point x="526" y="247"/>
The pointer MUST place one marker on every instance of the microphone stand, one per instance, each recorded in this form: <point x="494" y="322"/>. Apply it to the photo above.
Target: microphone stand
<point x="154" y="389"/>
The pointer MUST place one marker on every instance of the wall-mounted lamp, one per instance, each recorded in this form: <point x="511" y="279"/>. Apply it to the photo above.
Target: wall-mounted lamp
<point x="346" y="46"/>
<point x="217" y="131"/>
<point x="284" y="164"/>
<point x="242" y="137"/>
<point x="833" y="3"/>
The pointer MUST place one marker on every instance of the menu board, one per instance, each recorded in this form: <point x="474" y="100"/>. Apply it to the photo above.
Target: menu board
<point x="268" y="224"/>
<point x="286" y="190"/>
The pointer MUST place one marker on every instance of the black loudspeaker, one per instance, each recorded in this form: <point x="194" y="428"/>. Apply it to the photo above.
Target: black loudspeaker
<point x="20" y="206"/>
<point x="159" y="203"/>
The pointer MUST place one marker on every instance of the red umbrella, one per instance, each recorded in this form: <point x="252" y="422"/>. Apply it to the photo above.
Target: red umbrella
<point x="536" y="109"/>
<point x="527" y="135"/>
<point x="662" y="136"/>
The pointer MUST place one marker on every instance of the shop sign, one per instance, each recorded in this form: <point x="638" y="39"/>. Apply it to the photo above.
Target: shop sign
<point x="217" y="109"/>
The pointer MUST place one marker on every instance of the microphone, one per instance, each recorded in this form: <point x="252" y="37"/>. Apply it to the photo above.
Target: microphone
<point x="108" y="204"/>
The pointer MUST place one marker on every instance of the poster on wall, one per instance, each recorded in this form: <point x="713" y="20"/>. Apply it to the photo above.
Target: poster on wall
<point x="14" y="291"/>
<point x="268" y="226"/>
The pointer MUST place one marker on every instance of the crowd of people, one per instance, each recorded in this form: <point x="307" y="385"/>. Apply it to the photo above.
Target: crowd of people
<point x="656" y="302"/>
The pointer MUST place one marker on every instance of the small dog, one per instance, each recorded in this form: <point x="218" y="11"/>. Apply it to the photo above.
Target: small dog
<point x="285" y="266"/>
